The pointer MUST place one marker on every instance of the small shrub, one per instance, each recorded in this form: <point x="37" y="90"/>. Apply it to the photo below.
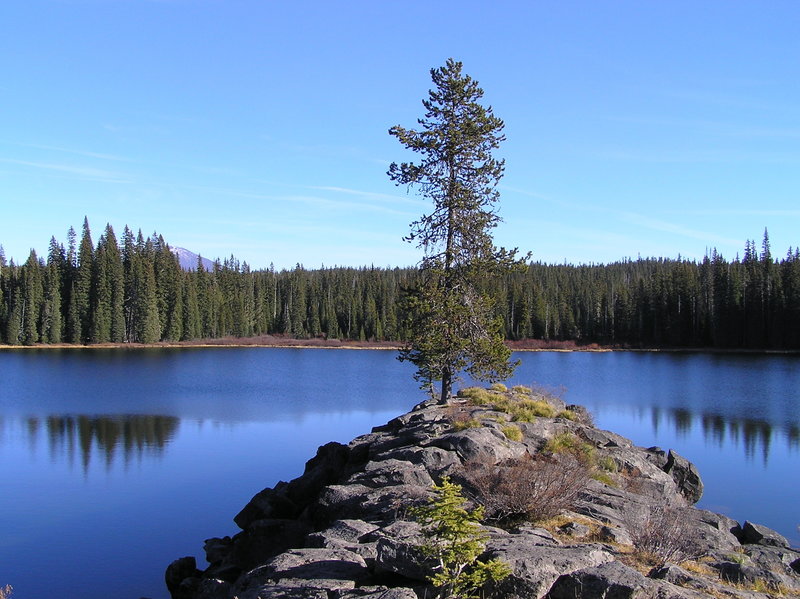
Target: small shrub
<point x="529" y="488"/>
<point x="521" y="390"/>
<point x="662" y="536"/>
<point x="512" y="432"/>
<point x="454" y="540"/>
<point x="499" y="387"/>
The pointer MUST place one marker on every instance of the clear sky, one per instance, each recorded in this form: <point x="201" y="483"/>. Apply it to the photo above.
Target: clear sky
<point x="259" y="128"/>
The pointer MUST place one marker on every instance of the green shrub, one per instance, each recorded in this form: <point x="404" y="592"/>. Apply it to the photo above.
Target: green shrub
<point x="521" y="390"/>
<point x="499" y="387"/>
<point x="512" y="432"/>
<point x="454" y="540"/>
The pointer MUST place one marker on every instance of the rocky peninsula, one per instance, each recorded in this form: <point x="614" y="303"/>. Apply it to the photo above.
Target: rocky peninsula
<point x="574" y="511"/>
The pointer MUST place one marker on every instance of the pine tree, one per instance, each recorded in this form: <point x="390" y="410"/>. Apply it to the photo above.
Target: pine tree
<point x="129" y="301"/>
<point x="454" y="541"/>
<point x="83" y="286"/>
<point x="193" y="325"/>
<point x="3" y="295"/>
<point x="32" y="299"/>
<point x="107" y="299"/>
<point x="14" y="324"/>
<point x="52" y="321"/>
<point x="453" y="326"/>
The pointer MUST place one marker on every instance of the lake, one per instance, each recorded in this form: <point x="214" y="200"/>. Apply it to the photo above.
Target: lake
<point x="116" y="462"/>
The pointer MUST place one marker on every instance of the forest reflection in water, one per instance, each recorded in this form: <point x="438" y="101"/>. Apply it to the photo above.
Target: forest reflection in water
<point x="129" y="437"/>
<point x="754" y="436"/>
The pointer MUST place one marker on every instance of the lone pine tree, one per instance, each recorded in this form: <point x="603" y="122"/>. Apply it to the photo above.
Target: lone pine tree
<point x="453" y="323"/>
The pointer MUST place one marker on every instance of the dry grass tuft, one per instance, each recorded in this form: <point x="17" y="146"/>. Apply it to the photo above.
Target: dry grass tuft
<point x="512" y="432"/>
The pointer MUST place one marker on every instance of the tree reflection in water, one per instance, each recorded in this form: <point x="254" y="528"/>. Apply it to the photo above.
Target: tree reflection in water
<point x="131" y="436"/>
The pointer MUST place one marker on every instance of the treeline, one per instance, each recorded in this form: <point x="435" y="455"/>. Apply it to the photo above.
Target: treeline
<point x="135" y="291"/>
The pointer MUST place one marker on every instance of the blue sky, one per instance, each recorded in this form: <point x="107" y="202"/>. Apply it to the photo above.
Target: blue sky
<point x="259" y="128"/>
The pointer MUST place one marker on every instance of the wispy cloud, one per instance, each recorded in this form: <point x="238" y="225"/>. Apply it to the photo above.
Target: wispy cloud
<point x="371" y="195"/>
<point x="710" y="126"/>
<point x="654" y="224"/>
<point x="739" y="212"/>
<point x="78" y="171"/>
<point x="312" y="200"/>
<point x="74" y="151"/>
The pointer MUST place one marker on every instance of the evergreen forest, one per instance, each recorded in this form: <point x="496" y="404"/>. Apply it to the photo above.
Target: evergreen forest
<point x="134" y="291"/>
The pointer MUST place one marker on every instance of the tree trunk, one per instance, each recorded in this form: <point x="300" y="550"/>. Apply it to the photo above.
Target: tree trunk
<point x="447" y="385"/>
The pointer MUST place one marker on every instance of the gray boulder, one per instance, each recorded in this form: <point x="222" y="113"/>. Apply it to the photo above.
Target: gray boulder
<point x="391" y="472"/>
<point x="536" y="567"/>
<point x="614" y="534"/>
<point x="346" y="534"/>
<point x="179" y="570"/>
<point x="480" y="444"/>
<point x="266" y="538"/>
<point x="612" y="580"/>
<point x="685" y="475"/>
<point x="761" y="535"/>
<point x="279" y="591"/>
<point x="307" y="568"/>
<point x="359" y="502"/>
<point x="269" y="503"/>
<point x="574" y="529"/>
<point x="436" y="461"/>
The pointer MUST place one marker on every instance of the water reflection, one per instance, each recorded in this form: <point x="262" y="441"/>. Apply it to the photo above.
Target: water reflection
<point x="755" y="436"/>
<point x="109" y="437"/>
<point x="130" y="437"/>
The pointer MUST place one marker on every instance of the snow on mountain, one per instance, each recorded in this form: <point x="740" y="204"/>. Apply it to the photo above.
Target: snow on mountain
<point x="188" y="260"/>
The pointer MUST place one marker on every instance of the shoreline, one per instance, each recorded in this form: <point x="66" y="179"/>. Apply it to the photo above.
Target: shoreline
<point x="270" y="341"/>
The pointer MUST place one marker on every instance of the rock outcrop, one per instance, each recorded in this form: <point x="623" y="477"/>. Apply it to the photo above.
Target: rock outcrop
<point x="342" y="530"/>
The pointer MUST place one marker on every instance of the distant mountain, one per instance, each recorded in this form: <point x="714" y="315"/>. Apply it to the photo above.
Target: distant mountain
<point x="188" y="260"/>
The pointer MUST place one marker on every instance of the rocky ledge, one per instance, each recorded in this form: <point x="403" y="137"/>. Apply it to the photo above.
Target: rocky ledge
<point x="573" y="510"/>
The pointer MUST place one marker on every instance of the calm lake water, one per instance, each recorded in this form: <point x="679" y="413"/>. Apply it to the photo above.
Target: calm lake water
<point x="114" y="463"/>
